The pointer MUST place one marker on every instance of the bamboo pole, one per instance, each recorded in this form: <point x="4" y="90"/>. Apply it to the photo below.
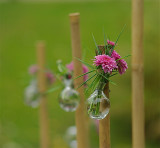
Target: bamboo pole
<point x="137" y="75"/>
<point x="104" y="124"/>
<point x="80" y="116"/>
<point x="43" y="114"/>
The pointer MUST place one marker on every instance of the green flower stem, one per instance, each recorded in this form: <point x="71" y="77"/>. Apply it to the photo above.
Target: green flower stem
<point x="90" y="108"/>
<point x="98" y="104"/>
<point x="97" y="108"/>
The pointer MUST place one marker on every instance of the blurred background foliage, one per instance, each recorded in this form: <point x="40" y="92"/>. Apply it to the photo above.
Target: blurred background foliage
<point x="22" y="24"/>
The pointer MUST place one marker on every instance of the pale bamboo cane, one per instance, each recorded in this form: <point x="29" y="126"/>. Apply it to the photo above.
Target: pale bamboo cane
<point x="80" y="116"/>
<point x="138" y="137"/>
<point x="104" y="124"/>
<point x="43" y="114"/>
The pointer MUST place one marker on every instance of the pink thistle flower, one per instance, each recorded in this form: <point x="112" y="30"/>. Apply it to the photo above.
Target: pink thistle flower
<point x="33" y="69"/>
<point x="50" y="77"/>
<point x="85" y="69"/>
<point x="110" y="43"/>
<point x="107" y="63"/>
<point x="70" y="66"/>
<point x="122" y="64"/>
<point x="115" y="55"/>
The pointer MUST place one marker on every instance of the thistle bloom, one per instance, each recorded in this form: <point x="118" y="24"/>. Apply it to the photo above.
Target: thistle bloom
<point x="85" y="69"/>
<point x="33" y="69"/>
<point x="110" y="43"/>
<point x="122" y="64"/>
<point x="107" y="63"/>
<point x="50" y="77"/>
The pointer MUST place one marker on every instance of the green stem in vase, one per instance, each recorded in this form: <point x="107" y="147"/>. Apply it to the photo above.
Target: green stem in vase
<point x="97" y="108"/>
<point x="90" y="108"/>
<point x="98" y="103"/>
<point x="94" y="107"/>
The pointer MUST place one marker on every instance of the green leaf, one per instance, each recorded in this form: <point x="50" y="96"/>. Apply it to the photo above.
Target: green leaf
<point x="107" y="79"/>
<point x="85" y="63"/>
<point x="123" y="57"/>
<point x="104" y="39"/>
<point x="119" y="35"/>
<point x="96" y="82"/>
<point x="53" y="89"/>
<point x="113" y="74"/>
<point x="114" y="71"/>
<point x="105" y="44"/>
<point x="99" y="52"/>
<point x="92" y="84"/>
<point x="84" y="74"/>
<point x="86" y="81"/>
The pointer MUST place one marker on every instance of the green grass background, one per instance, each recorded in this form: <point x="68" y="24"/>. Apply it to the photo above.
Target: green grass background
<point x="22" y="24"/>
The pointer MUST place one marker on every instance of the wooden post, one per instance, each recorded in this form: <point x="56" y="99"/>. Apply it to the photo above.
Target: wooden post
<point x="80" y="116"/>
<point x="44" y="125"/>
<point x="137" y="75"/>
<point x="104" y="124"/>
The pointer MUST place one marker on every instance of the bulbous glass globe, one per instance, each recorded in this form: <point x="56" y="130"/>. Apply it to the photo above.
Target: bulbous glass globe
<point x="71" y="133"/>
<point x="69" y="97"/>
<point x="32" y="96"/>
<point x="98" y="105"/>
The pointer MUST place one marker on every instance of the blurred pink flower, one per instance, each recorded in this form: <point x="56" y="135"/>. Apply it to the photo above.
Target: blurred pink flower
<point x="33" y="69"/>
<point x="110" y="43"/>
<point x="85" y="69"/>
<point x="122" y="64"/>
<point x="107" y="63"/>
<point x="115" y="55"/>
<point x="50" y="77"/>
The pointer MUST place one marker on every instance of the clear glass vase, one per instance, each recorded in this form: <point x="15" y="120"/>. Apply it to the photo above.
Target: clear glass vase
<point x="98" y="105"/>
<point x="32" y="96"/>
<point x="69" y="97"/>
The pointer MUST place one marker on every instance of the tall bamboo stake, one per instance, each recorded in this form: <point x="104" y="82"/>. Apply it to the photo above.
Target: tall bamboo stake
<point x="137" y="75"/>
<point x="44" y="125"/>
<point x="80" y="117"/>
<point x="104" y="124"/>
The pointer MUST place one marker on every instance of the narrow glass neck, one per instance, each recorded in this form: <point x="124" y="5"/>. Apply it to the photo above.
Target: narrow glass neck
<point x="101" y="86"/>
<point x="68" y="82"/>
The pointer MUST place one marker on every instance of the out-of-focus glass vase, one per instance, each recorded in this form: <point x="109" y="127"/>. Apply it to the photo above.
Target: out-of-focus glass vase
<point x="69" y="97"/>
<point x="98" y="105"/>
<point x="70" y="136"/>
<point x="32" y="96"/>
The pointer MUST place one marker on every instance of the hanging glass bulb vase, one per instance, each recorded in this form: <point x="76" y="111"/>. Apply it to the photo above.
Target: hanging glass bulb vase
<point x="98" y="105"/>
<point x="69" y="97"/>
<point x="32" y="96"/>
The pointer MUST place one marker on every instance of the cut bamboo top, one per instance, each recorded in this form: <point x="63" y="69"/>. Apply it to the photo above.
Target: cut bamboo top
<point x="74" y="17"/>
